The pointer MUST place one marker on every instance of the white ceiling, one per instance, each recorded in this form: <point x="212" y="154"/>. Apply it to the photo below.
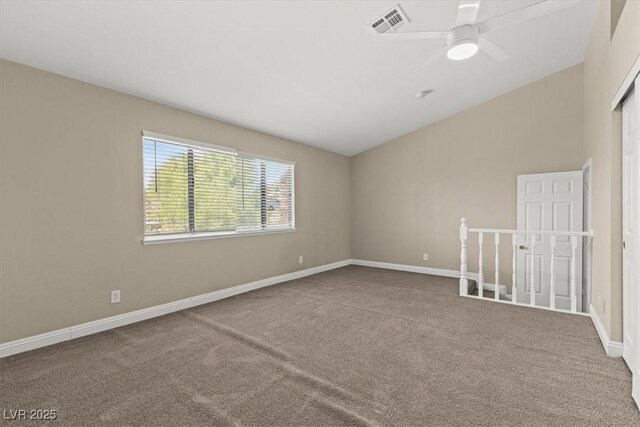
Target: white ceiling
<point x="309" y="71"/>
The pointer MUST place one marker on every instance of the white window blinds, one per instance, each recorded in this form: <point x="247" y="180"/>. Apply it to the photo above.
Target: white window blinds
<point x="193" y="189"/>
<point x="265" y="194"/>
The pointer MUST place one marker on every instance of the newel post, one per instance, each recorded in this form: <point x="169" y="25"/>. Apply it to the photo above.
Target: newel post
<point x="464" y="282"/>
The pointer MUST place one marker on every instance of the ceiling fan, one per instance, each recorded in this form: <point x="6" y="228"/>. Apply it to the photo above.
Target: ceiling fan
<point x="467" y="37"/>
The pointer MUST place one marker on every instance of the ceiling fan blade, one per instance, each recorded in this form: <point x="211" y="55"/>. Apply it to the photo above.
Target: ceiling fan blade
<point x="467" y="12"/>
<point x="526" y="13"/>
<point x="493" y="51"/>
<point x="429" y="58"/>
<point x="413" y="35"/>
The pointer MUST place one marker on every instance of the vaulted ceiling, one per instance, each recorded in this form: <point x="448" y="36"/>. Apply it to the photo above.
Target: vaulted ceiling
<point x="310" y="71"/>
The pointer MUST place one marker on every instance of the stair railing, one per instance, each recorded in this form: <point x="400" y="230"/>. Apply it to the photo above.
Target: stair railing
<point x="531" y="238"/>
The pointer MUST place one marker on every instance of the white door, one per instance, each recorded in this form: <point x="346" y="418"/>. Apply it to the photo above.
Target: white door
<point x="549" y="202"/>
<point x="630" y="212"/>
<point x="586" y="226"/>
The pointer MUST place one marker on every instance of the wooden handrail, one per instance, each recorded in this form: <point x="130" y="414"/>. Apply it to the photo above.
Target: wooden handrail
<point x="536" y="233"/>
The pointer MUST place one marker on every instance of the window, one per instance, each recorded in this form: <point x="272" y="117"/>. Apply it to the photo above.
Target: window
<point x="196" y="190"/>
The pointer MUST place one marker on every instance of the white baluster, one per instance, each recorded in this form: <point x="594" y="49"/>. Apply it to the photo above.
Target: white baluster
<point x="464" y="282"/>
<point x="552" y="286"/>
<point x="532" y="288"/>
<point x="514" y="277"/>
<point x="497" y="288"/>
<point x="480" y="262"/>
<point x="574" y="300"/>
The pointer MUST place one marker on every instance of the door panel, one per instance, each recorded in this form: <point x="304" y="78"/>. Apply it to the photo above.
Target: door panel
<point x="563" y="276"/>
<point x="562" y="186"/>
<point x="535" y="217"/>
<point x="562" y="219"/>
<point x="534" y="187"/>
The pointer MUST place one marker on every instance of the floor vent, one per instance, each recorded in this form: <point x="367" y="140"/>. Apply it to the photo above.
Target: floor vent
<point x="390" y="21"/>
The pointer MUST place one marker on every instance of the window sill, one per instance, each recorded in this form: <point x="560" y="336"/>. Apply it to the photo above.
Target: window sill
<point x="185" y="237"/>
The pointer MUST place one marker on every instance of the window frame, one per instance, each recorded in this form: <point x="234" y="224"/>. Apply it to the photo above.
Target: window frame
<point x="148" y="239"/>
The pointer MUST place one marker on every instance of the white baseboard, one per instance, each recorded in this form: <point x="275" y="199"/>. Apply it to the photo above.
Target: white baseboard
<point x="76" y="331"/>
<point x="405" y="267"/>
<point x="612" y="348"/>
<point x="427" y="270"/>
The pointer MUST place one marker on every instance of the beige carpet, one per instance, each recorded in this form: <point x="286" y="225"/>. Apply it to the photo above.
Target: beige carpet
<point x="354" y="346"/>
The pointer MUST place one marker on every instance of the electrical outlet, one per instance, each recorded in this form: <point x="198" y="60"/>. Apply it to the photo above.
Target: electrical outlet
<point x="115" y="296"/>
<point x="425" y="257"/>
<point x="300" y="259"/>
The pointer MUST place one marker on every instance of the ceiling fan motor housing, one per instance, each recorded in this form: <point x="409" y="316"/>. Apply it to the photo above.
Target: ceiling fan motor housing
<point x="462" y="35"/>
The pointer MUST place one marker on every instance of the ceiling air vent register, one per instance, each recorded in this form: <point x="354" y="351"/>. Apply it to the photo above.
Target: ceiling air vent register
<point x="390" y="21"/>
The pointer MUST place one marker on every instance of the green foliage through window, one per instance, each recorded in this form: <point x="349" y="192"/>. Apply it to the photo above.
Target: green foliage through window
<point x="191" y="189"/>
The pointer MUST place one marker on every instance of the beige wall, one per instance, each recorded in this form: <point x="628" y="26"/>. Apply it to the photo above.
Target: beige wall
<point x="71" y="206"/>
<point x="606" y="64"/>
<point x="409" y="194"/>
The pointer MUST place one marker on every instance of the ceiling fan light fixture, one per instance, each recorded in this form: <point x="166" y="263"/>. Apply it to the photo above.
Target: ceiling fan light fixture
<point x="462" y="51"/>
<point x="468" y="6"/>
<point x="462" y="42"/>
